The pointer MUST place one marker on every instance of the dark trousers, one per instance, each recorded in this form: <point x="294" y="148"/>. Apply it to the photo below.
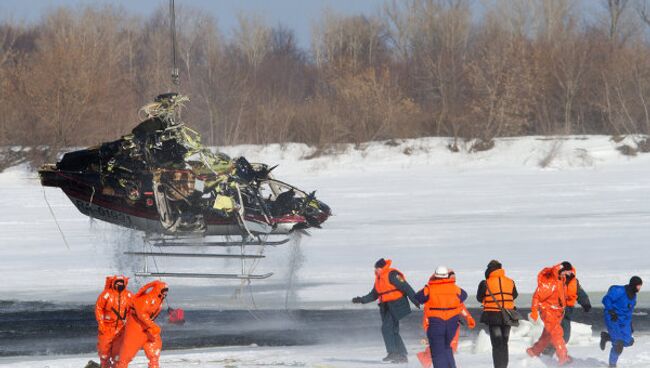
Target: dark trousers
<point x="440" y="334"/>
<point x="390" y="333"/>
<point x="499" y="335"/>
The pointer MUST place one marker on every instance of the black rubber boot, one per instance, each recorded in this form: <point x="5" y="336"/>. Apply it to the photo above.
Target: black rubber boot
<point x="399" y="358"/>
<point x="604" y="337"/>
<point x="92" y="364"/>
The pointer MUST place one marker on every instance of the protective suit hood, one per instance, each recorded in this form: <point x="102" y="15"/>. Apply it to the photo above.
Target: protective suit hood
<point x="152" y="288"/>
<point x="122" y="278"/>
<point x="109" y="284"/>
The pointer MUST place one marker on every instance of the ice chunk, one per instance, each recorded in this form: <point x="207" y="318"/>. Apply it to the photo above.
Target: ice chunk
<point x="581" y="334"/>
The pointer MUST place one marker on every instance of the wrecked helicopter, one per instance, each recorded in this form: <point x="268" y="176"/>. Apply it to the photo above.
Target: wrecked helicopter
<point x="161" y="180"/>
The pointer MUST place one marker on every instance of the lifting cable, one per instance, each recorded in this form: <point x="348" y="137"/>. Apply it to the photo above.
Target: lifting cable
<point x="172" y="16"/>
<point x="65" y="241"/>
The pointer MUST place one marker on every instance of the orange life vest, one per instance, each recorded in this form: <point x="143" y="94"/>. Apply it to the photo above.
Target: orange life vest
<point x="444" y="299"/>
<point x="572" y="290"/>
<point x="502" y="288"/>
<point x="387" y="292"/>
<point x="463" y="312"/>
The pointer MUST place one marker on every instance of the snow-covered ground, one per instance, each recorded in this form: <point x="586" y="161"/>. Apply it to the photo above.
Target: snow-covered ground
<point x="473" y="352"/>
<point x="414" y="202"/>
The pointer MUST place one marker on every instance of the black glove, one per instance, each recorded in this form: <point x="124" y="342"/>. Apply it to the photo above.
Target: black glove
<point x="356" y="300"/>
<point x="613" y="315"/>
<point x="586" y="308"/>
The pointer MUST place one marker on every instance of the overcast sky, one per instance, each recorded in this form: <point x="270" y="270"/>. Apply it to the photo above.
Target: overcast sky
<point x="295" y="14"/>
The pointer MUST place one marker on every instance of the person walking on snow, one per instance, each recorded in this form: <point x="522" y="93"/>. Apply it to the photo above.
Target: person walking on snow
<point x="575" y="294"/>
<point x="141" y="332"/>
<point x="110" y="312"/>
<point x="392" y="291"/>
<point x="443" y="302"/>
<point x="619" y="303"/>
<point x="501" y="295"/>
<point x="549" y="300"/>
<point x="425" y="356"/>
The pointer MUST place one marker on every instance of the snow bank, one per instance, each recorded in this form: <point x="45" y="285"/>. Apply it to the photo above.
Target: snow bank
<point x="532" y="152"/>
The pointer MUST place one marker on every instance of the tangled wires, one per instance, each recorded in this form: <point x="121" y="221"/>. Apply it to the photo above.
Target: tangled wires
<point x="167" y="107"/>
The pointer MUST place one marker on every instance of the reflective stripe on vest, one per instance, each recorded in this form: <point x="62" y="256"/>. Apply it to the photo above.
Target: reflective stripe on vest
<point x="502" y="288"/>
<point x="444" y="299"/>
<point x="386" y="291"/>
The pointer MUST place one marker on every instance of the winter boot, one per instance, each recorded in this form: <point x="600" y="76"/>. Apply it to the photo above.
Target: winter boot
<point x="531" y="353"/>
<point x="399" y="358"/>
<point x="563" y="357"/>
<point x="564" y="361"/>
<point x="92" y="364"/>
<point x="604" y="337"/>
<point x="389" y="357"/>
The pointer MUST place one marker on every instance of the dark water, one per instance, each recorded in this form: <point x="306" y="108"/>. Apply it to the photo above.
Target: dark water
<point x="29" y="328"/>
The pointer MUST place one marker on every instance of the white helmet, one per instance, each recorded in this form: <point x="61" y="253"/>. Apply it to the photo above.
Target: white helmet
<point x="441" y="272"/>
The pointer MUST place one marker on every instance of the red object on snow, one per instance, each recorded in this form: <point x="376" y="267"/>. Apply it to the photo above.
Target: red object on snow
<point x="176" y="316"/>
<point x="425" y="358"/>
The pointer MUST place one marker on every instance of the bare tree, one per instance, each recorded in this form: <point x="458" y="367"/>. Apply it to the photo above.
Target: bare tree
<point x="615" y="10"/>
<point x="420" y="67"/>
<point x="440" y="47"/>
<point x="9" y="33"/>
<point x="349" y="42"/>
<point x="503" y="87"/>
<point x="252" y="37"/>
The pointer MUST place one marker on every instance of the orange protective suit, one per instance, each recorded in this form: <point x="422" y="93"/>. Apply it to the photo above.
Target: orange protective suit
<point x="471" y="323"/>
<point x="141" y="331"/>
<point x="110" y="312"/>
<point x="549" y="300"/>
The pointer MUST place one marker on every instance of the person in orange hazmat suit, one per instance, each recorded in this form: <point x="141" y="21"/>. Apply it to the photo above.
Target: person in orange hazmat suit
<point x="549" y="300"/>
<point x="141" y="332"/>
<point x="110" y="312"/>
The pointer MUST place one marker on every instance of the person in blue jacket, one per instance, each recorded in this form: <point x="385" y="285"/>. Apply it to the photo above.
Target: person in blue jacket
<point x="619" y="304"/>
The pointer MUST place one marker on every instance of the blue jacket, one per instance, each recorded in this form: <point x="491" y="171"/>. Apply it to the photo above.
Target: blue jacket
<point x="618" y="300"/>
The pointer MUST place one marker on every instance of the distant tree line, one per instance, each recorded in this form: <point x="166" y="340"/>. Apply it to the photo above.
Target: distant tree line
<point x="457" y="68"/>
